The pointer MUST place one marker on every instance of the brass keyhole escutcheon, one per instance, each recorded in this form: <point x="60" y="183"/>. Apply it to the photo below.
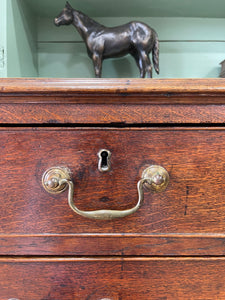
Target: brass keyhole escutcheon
<point x="158" y="178"/>
<point x="104" y="160"/>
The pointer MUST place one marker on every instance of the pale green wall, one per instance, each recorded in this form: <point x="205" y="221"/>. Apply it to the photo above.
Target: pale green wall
<point x="21" y="40"/>
<point x="133" y="8"/>
<point x="3" y="52"/>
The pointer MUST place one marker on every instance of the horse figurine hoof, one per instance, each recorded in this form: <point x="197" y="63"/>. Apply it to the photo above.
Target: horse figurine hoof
<point x="134" y="38"/>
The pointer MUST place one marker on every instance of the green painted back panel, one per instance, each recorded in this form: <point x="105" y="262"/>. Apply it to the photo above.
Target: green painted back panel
<point x="21" y="40"/>
<point x="3" y="59"/>
<point x="141" y="8"/>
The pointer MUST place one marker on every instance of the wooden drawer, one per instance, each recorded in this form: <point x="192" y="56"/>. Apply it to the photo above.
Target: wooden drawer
<point x="186" y="219"/>
<point x="114" y="279"/>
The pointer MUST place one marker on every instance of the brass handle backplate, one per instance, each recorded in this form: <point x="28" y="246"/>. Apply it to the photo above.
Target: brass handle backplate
<point x="57" y="179"/>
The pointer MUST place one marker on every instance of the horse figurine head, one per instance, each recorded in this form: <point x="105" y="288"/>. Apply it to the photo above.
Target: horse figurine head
<point x="66" y="16"/>
<point x="134" y="38"/>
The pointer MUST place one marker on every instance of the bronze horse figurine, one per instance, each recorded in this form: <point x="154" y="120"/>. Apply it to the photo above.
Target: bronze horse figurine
<point x="135" y="38"/>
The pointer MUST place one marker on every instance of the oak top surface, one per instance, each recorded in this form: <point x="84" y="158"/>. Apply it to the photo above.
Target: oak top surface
<point x="111" y="86"/>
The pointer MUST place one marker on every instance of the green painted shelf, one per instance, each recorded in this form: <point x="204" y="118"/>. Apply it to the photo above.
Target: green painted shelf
<point x="191" y="34"/>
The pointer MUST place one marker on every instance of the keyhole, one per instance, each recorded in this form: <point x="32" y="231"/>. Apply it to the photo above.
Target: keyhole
<point x="104" y="160"/>
<point x="104" y="156"/>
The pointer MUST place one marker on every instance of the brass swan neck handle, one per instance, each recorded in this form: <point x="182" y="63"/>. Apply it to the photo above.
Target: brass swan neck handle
<point x="56" y="180"/>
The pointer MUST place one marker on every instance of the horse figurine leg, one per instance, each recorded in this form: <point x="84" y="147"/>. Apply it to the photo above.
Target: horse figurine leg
<point x="144" y="63"/>
<point x="97" y="61"/>
<point x="148" y="66"/>
<point x="139" y="63"/>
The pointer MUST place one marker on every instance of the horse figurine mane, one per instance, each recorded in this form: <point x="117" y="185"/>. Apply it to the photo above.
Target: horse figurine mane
<point x="134" y="38"/>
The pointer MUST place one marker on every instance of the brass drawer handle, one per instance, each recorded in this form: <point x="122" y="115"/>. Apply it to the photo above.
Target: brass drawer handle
<point x="56" y="180"/>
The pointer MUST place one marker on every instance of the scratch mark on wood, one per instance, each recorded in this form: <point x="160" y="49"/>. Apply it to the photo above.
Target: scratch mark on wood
<point x="186" y="206"/>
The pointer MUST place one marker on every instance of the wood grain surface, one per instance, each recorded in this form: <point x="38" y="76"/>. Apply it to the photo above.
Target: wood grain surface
<point x="192" y="204"/>
<point x="138" y="244"/>
<point x="114" y="279"/>
<point x="173" y="247"/>
<point x="111" y="115"/>
<point x="50" y="86"/>
<point x="112" y="101"/>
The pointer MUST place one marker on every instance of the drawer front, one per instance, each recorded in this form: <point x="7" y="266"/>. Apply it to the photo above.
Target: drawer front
<point x="112" y="279"/>
<point x="192" y="206"/>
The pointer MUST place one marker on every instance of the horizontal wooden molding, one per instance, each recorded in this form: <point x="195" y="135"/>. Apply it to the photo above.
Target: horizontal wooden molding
<point x="111" y="86"/>
<point x="171" y="245"/>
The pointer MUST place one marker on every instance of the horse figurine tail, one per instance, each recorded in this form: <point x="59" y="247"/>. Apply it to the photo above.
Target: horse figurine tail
<point x="155" y="54"/>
